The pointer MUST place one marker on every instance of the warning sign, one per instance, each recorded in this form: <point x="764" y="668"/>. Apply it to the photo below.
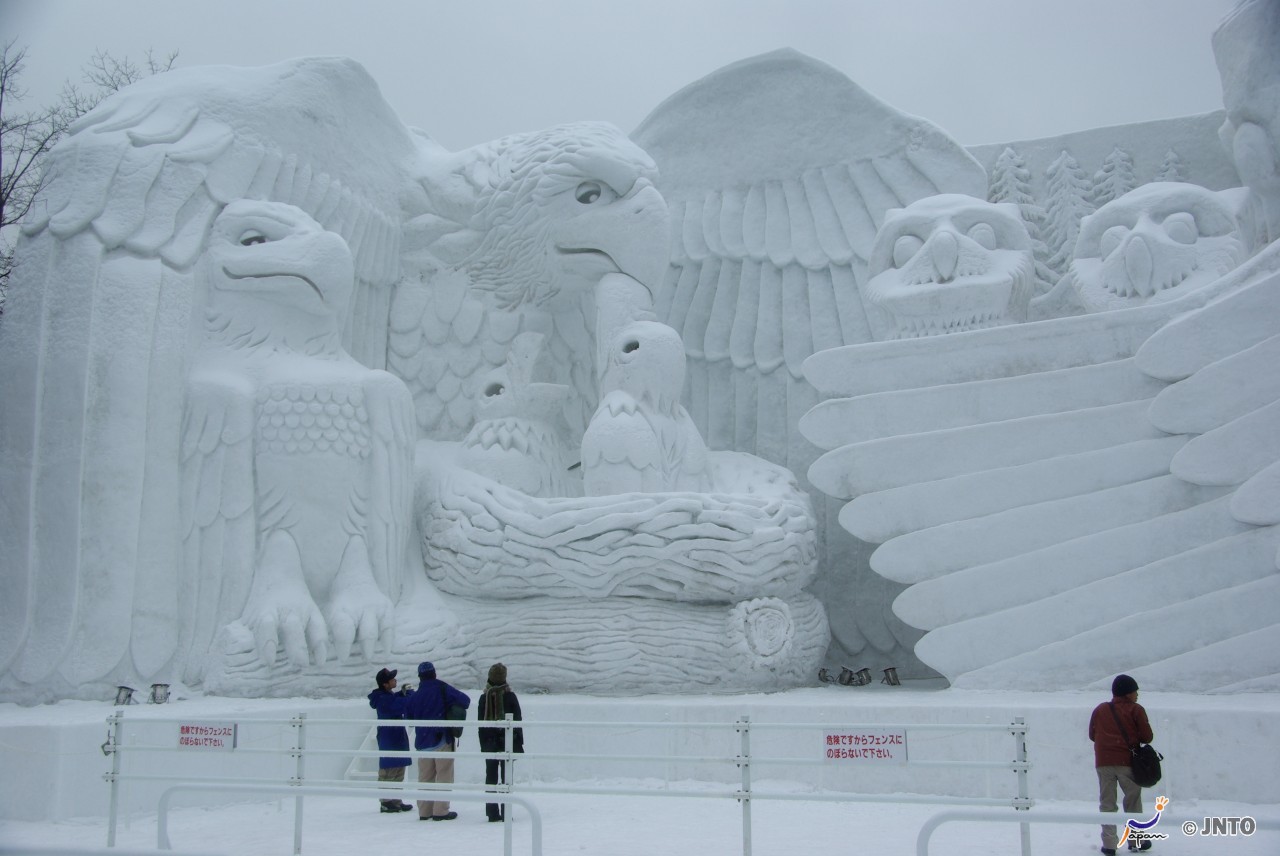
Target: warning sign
<point x="207" y="735"/>
<point x="866" y="746"/>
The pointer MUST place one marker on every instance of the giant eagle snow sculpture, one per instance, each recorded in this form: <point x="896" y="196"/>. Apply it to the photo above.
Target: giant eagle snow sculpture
<point x="1075" y="497"/>
<point x="106" y="312"/>
<point x="296" y="459"/>
<point x="105" y="355"/>
<point x="207" y="475"/>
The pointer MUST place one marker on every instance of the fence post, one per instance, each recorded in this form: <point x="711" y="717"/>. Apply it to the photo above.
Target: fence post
<point x="1023" y="802"/>
<point x="509" y="746"/>
<point x="299" y="723"/>
<point x="744" y="764"/>
<point x="111" y="747"/>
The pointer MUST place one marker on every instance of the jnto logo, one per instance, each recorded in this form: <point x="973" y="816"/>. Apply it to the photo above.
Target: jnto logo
<point x="1140" y="830"/>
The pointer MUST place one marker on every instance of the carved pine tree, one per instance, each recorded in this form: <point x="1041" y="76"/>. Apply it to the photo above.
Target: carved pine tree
<point x="1011" y="182"/>
<point x="1068" y="191"/>
<point x="1171" y="168"/>
<point x="1114" y="178"/>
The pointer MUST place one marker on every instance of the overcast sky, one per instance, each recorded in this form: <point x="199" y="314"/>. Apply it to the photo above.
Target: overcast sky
<point x="467" y="71"/>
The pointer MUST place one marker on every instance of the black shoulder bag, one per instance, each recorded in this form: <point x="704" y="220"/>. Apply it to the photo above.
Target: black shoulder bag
<point x="1144" y="760"/>
<point x="454" y="711"/>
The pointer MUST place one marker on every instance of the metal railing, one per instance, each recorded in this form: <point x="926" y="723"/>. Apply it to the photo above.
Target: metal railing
<point x="742" y="756"/>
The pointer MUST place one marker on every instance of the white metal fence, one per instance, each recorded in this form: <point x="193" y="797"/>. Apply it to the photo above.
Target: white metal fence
<point x="871" y="745"/>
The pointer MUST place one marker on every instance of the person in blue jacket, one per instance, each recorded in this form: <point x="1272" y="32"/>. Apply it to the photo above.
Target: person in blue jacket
<point x="432" y="698"/>
<point x="391" y="738"/>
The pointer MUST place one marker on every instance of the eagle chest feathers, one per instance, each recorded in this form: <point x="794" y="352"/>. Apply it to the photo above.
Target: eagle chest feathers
<point x="305" y="419"/>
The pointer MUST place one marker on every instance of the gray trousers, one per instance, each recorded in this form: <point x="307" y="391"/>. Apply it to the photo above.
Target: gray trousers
<point x="391" y="774"/>
<point x="440" y="771"/>
<point x="1108" y="778"/>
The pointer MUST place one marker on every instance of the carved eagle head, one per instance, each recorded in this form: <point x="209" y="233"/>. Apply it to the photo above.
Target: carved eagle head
<point x="535" y="216"/>
<point x="647" y="361"/>
<point x="277" y="277"/>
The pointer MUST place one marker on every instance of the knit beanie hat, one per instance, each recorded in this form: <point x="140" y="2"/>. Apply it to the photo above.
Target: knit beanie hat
<point x="497" y="674"/>
<point x="1123" y="685"/>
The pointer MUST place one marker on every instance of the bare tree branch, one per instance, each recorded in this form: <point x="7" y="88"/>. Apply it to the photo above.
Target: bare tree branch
<point x="27" y="137"/>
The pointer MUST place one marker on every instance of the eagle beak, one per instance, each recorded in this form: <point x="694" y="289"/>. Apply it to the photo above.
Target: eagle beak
<point x="644" y="256"/>
<point x="633" y="233"/>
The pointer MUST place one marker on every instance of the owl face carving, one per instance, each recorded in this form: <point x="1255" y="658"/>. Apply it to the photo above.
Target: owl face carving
<point x="1156" y="242"/>
<point x="947" y="264"/>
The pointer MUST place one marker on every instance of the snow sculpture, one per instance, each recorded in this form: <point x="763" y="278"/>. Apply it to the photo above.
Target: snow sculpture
<point x="1156" y="242"/>
<point x="946" y="264"/>
<point x="779" y="172"/>
<point x="520" y="436"/>
<point x="105" y="311"/>
<point x="296" y="459"/>
<point x="633" y="592"/>
<point x="1076" y="497"/>
<point x="1114" y="178"/>
<point x="512" y="236"/>
<point x="670" y="542"/>
<point x="1081" y="496"/>
<point x="641" y="438"/>
<point x="108" y="313"/>
<point x="1067" y="204"/>
<point x="1171" y="168"/>
<point x="553" y="242"/>
<point x="1244" y="46"/>
<point x="1011" y="182"/>
<point x="1017" y="476"/>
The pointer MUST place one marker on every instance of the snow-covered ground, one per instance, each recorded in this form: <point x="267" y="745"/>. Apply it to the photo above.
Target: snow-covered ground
<point x="617" y="826"/>
<point x="1217" y="746"/>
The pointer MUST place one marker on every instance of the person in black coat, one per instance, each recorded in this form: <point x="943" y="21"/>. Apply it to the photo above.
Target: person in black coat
<point x="497" y="701"/>
<point x="391" y="738"/>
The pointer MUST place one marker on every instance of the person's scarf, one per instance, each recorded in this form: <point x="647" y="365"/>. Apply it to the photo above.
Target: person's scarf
<point x="495" y="701"/>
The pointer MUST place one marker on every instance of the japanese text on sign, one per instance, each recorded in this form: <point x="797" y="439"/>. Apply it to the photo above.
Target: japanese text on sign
<point x="866" y="746"/>
<point x="207" y="735"/>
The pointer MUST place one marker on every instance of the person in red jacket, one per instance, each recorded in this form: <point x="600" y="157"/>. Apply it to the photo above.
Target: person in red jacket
<point x="1111" y="754"/>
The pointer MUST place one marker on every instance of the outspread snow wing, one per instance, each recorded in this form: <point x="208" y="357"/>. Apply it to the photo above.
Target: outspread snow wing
<point x="778" y="171"/>
<point x="1072" y="498"/>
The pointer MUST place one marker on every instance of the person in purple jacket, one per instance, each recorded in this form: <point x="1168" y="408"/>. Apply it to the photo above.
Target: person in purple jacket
<point x="391" y="738"/>
<point x="429" y="702"/>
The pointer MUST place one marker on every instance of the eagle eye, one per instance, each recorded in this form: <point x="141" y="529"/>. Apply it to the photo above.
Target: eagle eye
<point x="493" y="389"/>
<point x="248" y="239"/>
<point x="588" y="192"/>
<point x="631" y="345"/>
